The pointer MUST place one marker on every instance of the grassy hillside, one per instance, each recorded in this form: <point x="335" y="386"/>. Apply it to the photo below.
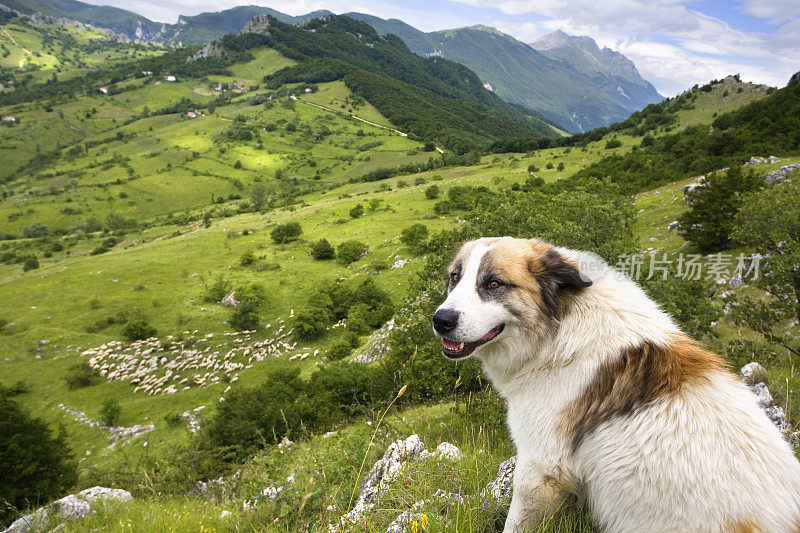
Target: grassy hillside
<point x="116" y="19"/>
<point x="136" y="213"/>
<point x="34" y="53"/>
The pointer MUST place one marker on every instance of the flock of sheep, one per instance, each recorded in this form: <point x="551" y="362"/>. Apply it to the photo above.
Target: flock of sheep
<point x="156" y="367"/>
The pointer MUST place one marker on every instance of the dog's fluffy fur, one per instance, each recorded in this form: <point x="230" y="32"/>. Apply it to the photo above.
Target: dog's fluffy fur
<point x="608" y="399"/>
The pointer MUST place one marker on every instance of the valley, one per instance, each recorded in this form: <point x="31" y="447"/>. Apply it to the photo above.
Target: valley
<point x="129" y="217"/>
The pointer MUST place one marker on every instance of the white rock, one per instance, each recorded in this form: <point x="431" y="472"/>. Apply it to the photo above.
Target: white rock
<point x="752" y="368"/>
<point x="446" y="450"/>
<point x="762" y="394"/>
<point x="96" y="493"/>
<point x="382" y="473"/>
<point x="500" y="487"/>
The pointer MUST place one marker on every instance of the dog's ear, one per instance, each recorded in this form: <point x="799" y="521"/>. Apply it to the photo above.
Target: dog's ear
<point x="555" y="275"/>
<point x="564" y="274"/>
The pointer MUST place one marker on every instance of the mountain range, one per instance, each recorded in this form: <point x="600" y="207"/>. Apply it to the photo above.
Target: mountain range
<point x="568" y="79"/>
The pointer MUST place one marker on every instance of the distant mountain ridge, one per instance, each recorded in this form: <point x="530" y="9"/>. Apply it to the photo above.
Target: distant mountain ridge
<point x="568" y="79"/>
<point x="613" y="73"/>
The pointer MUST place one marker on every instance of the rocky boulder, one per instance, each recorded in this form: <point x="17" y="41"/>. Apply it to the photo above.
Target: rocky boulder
<point x="68" y="509"/>
<point x="257" y="24"/>
<point x="779" y="176"/>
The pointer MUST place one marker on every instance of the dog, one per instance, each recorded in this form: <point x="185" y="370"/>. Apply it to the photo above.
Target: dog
<point x="609" y="400"/>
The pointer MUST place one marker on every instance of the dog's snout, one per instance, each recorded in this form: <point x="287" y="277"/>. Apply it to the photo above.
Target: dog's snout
<point x="445" y="320"/>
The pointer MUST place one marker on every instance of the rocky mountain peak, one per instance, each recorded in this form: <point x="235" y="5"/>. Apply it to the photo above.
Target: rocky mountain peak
<point x="557" y="39"/>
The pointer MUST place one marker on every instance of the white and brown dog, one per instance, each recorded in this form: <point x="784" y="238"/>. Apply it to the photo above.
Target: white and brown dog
<point x="608" y="399"/>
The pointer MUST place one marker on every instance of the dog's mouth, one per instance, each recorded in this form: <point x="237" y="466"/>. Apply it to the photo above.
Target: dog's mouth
<point x="457" y="350"/>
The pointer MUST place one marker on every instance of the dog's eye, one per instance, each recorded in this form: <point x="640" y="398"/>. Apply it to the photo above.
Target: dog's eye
<point x="454" y="277"/>
<point x="494" y="284"/>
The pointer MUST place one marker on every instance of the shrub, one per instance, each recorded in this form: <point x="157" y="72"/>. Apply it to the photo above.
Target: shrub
<point x="247" y="258"/>
<point x="322" y="249"/>
<point x="560" y="166"/>
<point x="110" y="412"/>
<point x="613" y="143"/>
<point x="432" y="192"/>
<point x="710" y="219"/>
<point x="350" y="251"/>
<point x="357" y="211"/>
<point x="80" y="375"/>
<point x="138" y="329"/>
<point x="31" y="263"/>
<point x="37" y="466"/>
<point x="36" y="230"/>
<point x="286" y="232"/>
<point x="415" y="236"/>
<point x="217" y="290"/>
<point x="768" y="222"/>
<point x="340" y="349"/>
<point x="311" y="321"/>
<point x="245" y="316"/>
<point x="99" y="249"/>
<point x="549" y="165"/>
<point x="259" y="196"/>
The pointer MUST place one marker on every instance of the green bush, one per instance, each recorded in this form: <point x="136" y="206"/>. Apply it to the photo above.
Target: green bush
<point x="363" y="302"/>
<point x="37" y="466"/>
<point x="322" y="249"/>
<point x="80" y="375"/>
<point x="613" y="143"/>
<point x="286" y="232"/>
<point x="415" y="236"/>
<point x="110" y="412"/>
<point x="310" y="322"/>
<point x="357" y="211"/>
<point x="340" y="349"/>
<point x="138" y="329"/>
<point x="31" y="263"/>
<point x="245" y="317"/>
<point x="432" y="192"/>
<point x="247" y="258"/>
<point x="217" y="290"/>
<point x="36" y="231"/>
<point x="710" y="219"/>
<point x="350" y="251"/>
<point x="285" y="405"/>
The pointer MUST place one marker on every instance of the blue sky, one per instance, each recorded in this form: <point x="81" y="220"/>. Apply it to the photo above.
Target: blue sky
<point x="674" y="43"/>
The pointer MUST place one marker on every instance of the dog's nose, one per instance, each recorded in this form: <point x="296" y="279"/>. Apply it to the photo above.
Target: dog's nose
<point x="445" y="320"/>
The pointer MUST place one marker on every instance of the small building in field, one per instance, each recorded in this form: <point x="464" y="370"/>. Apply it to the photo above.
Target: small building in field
<point x="103" y="90"/>
<point x="191" y="114"/>
<point x="9" y="118"/>
<point x="170" y="78"/>
<point x="147" y="72"/>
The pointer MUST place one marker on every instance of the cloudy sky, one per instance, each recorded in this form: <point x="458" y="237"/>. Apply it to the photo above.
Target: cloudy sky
<point x="674" y="43"/>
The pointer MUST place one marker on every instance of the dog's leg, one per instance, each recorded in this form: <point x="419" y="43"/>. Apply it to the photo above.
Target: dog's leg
<point x="538" y="493"/>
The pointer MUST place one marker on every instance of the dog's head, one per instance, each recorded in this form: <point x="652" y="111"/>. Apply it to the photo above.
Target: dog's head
<point x="504" y="288"/>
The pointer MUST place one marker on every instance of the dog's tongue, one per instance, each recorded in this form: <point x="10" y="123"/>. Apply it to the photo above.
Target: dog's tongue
<point x="451" y="345"/>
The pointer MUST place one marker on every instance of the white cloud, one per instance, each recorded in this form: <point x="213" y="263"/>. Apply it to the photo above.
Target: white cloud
<point x="776" y="11"/>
